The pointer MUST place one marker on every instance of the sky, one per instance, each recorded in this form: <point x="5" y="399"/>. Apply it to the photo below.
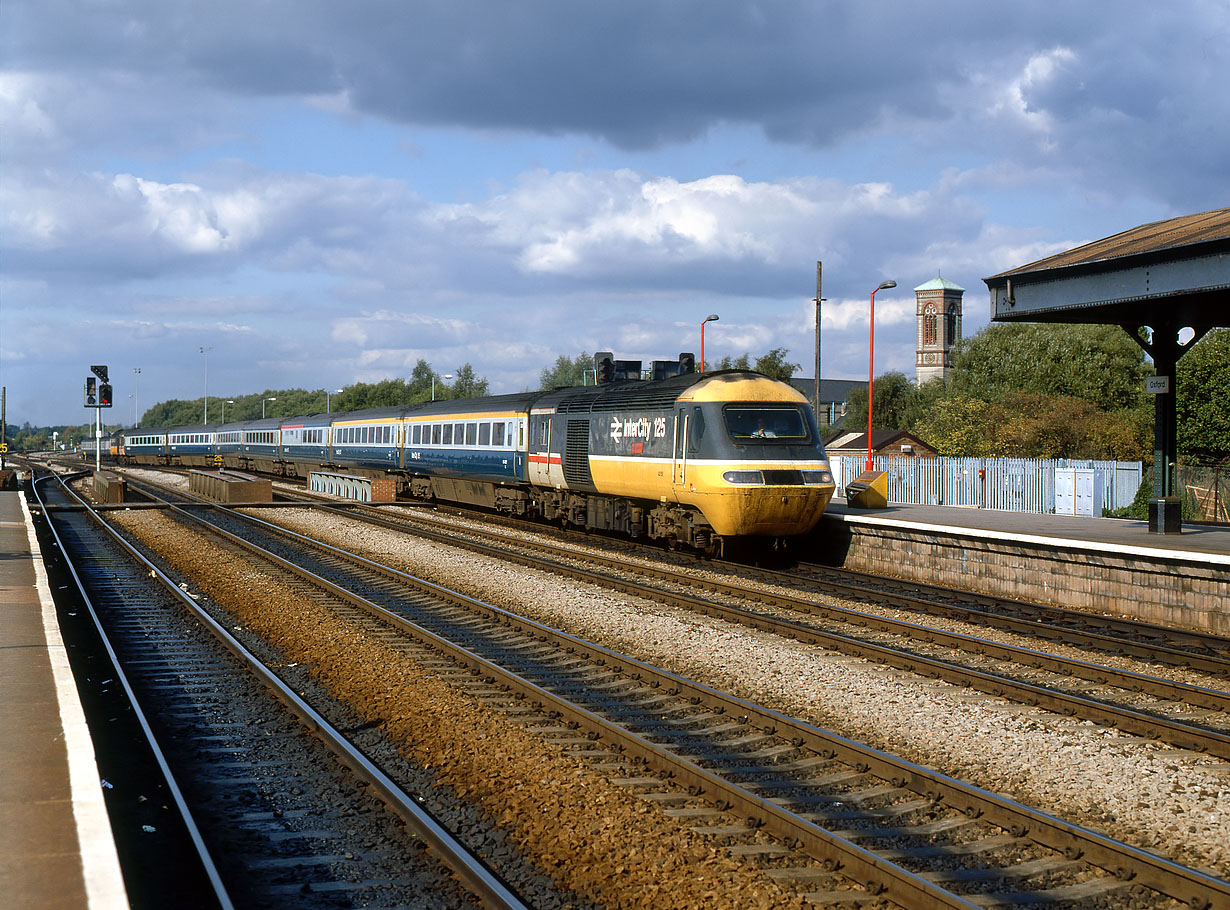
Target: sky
<point x="263" y="194"/>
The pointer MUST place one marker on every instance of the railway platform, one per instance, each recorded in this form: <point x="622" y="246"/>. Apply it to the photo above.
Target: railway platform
<point x="1099" y="564"/>
<point x="56" y="845"/>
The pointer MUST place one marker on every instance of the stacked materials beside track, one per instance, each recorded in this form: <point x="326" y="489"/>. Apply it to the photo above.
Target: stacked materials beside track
<point x="230" y="486"/>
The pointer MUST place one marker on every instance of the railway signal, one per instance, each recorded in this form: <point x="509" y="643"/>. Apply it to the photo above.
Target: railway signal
<point x="91" y="393"/>
<point x="104" y="395"/>
<point x="604" y="367"/>
<point x="100" y="370"/>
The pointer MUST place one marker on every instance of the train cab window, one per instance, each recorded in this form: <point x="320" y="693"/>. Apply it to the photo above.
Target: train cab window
<point x="543" y="428"/>
<point x="484" y="434"/>
<point x="696" y="430"/>
<point x="471" y="434"/>
<point x="764" y="425"/>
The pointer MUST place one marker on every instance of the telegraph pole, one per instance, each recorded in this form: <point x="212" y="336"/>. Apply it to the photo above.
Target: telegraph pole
<point x="819" y="300"/>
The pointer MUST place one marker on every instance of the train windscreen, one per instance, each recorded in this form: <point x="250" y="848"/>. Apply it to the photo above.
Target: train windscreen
<point x="751" y="423"/>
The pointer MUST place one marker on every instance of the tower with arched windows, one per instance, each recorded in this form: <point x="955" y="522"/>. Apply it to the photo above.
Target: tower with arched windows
<point x="939" y="327"/>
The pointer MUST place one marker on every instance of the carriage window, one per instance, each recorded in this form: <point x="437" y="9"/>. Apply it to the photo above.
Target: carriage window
<point x="416" y="435"/>
<point x="497" y="434"/>
<point x="484" y="434"/>
<point x="459" y="434"/>
<point x="435" y="434"/>
<point x="448" y="434"/>
<point x="471" y="433"/>
<point x="760" y="424"/>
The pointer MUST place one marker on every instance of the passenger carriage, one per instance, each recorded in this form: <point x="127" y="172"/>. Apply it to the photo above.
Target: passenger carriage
<point x="190" y="445"/>
<point x="145" y="445"/>
<point x="368" y="439"/>
<point x="306" y="442"/>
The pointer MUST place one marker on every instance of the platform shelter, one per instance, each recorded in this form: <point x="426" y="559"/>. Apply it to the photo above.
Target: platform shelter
<point x="1171" y="278"/>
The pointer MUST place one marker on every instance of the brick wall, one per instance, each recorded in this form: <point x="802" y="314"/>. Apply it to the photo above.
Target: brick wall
<point x="1170" y="592"/>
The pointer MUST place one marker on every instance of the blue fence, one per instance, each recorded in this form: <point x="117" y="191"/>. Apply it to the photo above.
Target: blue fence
<point x="1012" y="484"/>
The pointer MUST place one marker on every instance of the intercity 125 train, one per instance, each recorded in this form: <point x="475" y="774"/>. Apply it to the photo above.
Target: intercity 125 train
<point x="693" y="460"/>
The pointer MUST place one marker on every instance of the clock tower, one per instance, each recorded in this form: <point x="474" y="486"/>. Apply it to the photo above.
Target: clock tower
<point x="939" y="328"/>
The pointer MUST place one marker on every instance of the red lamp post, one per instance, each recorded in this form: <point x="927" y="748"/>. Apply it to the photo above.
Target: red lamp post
<point x="712" y="317"/>
<point x="871" y="357"/>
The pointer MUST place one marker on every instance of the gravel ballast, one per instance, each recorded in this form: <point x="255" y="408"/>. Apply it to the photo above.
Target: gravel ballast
<point x="1170" y="801"/>
<point x="596" y="840"/>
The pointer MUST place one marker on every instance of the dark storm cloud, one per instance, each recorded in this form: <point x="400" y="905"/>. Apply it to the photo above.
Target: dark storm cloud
<point x="1130" y="78"/>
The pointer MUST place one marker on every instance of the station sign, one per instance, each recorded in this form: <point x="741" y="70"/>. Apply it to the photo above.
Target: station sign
<point x="1157" y="385"/>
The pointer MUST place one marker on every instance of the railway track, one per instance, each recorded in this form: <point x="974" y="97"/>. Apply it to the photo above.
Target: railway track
<point x="1098" y="632"/>
<point x="1190" y="716"/>
<point x="275" y="806"/>
<point x="920" y="838"/>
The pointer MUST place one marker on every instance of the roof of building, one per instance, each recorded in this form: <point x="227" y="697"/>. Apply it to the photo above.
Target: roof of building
<point x="852" y="440"/>
<point x="939" y="284"/>
<point x="831" y="390"/>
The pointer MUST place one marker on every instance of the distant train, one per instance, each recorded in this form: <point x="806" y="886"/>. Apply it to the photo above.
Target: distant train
<point x="692" y="459"/>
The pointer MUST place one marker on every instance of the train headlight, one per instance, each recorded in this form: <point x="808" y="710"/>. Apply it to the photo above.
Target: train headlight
<point x="817" y="477"/>
<point x="743" y="477"/>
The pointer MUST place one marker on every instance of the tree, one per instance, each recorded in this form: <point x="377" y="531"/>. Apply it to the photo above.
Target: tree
<point x="774" y="364"/>
<point x="739" y="363"/>
<point x="959" y="425"/>
<point x="467" y="385"/>
<point x="421" y="379"/>
<point x="1098" y="363"/>
<point x="566" y="373"/>
<point x="894" y="398"/>
<point x="1202" y="406"/>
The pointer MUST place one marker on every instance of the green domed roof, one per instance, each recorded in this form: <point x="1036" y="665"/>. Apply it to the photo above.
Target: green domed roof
<point x="939" y="284"/>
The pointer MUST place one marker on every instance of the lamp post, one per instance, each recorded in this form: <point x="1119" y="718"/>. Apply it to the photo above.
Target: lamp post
<point x="871" y="357"/>
<point x="136" y="399"/>
<point x="206" y="351"/>
<point x="263" y="400"/>
<point x="712" y="317"/>
<point x="225" y="402"/>
<point x="329" y="399"/>
<point x="433" y="383"/>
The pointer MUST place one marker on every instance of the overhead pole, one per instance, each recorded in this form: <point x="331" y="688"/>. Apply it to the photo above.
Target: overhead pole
<point x="818" y="300"/>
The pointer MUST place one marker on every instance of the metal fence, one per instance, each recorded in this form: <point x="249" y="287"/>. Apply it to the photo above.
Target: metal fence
<point x="1012" y="484"/>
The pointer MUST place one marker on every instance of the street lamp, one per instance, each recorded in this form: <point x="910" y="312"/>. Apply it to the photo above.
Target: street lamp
<point x="433" y="383"/>
<point x="206" y="351"/>
<point x="712" y="317"/>
<point x="263" y="400"/>
<point x="328" y="399"/>
<point x="225" y="402"/>
<point x="136" y="398"/>
<point x="871" y="356"/>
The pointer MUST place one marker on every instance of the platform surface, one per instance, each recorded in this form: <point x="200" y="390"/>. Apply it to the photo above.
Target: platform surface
<point x="56" y="848"/>
<point x="1205" y="542"/>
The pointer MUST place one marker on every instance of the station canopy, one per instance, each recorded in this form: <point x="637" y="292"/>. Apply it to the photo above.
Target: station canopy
<point x="1171" y="277"/>
<point x="1167" y="272"/>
